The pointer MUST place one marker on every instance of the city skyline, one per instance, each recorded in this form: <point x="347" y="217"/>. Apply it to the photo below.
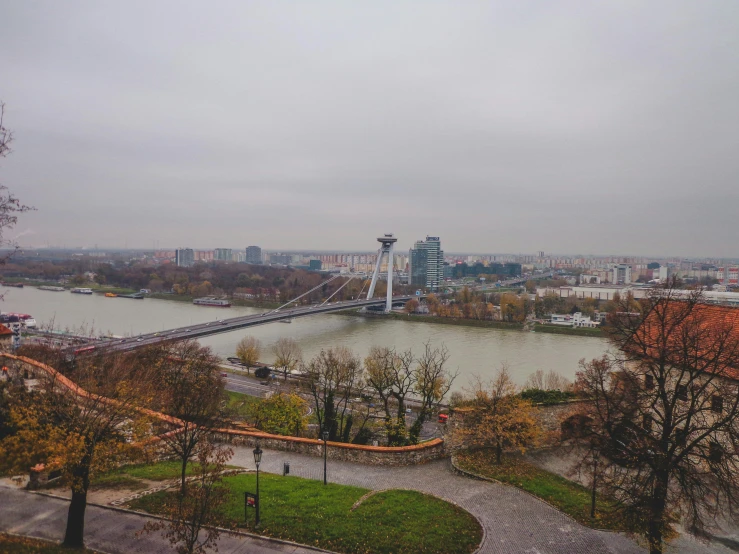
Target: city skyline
<point x="563" y="126"/>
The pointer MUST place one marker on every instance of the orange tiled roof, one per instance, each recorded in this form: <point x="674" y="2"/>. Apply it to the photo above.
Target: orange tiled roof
<point x="715" y="330"/>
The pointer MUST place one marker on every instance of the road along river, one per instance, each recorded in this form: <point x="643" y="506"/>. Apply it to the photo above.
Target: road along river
<point x="473" y="350"/>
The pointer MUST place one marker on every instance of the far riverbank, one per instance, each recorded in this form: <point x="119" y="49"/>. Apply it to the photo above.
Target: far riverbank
<point x="538" y="328"/>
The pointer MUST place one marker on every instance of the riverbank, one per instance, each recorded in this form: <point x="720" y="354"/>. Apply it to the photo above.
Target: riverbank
<point x="102" y="289"/>
<point x="234" y="301"/>
<point x="513" y="326"/>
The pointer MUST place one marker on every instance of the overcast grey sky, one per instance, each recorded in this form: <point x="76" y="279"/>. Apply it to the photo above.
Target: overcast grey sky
<point x="517" y="126"/>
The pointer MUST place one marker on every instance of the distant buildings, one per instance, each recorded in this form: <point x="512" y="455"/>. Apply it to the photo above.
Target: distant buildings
<point x="573" y="320"/>
<point x="314" y="265"/>
<point x="253" y="255"/>
<point x="427" y="263"/>
<point x="223" y="255"/>
<point x="184" y="257"/>
<point x="278" y="259"/>
<point x="621" y="274"/>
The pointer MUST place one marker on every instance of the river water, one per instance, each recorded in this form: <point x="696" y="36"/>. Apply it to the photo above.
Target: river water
<point x="474" y="351"/>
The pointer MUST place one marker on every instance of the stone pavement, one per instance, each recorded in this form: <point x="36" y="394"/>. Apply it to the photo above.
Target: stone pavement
<point x="107" y="530"/>
<point x="513" y="521"/>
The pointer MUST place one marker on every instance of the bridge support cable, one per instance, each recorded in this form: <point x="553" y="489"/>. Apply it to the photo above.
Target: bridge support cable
<point x="364" y="284"/>
<point x="307" y="293"/>
<point x="337" y="290"/>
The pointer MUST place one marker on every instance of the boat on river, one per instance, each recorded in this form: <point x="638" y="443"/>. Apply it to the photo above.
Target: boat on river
<point x="11" y="317"/>
<point x="81" y="290"/>
<point x="135" y="296"/>
<point x="212" y="301"/>
<point x="51" y="288"/>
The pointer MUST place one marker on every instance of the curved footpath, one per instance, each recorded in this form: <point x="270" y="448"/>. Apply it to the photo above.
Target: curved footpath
<point x="513" y="521"/>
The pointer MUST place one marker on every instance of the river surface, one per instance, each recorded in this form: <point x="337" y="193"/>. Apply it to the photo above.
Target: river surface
<point x="473" y="350"/>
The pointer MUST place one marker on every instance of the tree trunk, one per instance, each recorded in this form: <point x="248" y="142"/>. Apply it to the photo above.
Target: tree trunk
<point x="655" y="528"/>
<point x="74" y="535"/>
<point x="184" y="473"/>
<point x="498" y="452"/>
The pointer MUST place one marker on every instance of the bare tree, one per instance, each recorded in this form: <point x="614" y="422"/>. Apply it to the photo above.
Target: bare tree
<point x="392" y="377"/>
<point x="193" y="520"/>
<point x="433" y="382"/>
<point x="664" y="412"/>
<point x="550" y="380"/>
<point x="191" y="390"/>
<point x="334" y="377"/>
<point x="10" y="205"/>
<point x="288" y="354"/>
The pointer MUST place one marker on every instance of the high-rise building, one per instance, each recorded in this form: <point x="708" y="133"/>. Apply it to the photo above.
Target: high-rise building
<point x="184" y="257"/>
<point x="314" y="265"/>
<point x="621" y="274"/>
<point x="253" y="255"/>
<point x="427" y="263"/>
<point x="223" y="254"/>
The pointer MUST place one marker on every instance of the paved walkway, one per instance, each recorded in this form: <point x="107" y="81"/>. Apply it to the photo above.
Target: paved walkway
<point x="112" y="531"/>
<point x="514" y="521"/>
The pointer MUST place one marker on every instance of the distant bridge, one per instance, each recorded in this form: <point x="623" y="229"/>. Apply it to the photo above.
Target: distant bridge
<point x="234" y="323"/>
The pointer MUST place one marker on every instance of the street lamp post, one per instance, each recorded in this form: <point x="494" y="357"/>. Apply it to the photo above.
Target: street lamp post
<point x="257" y="461"/>
<point x="325" y="453"/>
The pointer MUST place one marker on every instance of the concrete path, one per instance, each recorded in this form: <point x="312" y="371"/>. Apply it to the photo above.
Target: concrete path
<point x="107" y="530"/>
<point x="513" y="521"/>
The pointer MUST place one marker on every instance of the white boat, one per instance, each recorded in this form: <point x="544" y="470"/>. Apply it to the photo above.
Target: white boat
<point x="51" y="288"/>
<point x="211" y="301"/>
<point x="79" y="290"/>
<point x="24" y="319"/>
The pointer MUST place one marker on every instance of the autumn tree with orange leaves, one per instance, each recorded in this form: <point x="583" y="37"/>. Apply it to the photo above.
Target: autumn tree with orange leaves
<point x="497" y="417"/>
<point x="81" y="428"/>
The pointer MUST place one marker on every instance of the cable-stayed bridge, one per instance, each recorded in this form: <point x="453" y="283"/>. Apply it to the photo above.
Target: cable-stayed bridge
<point x="287" y="311"/>
<point x="234" y="323"/>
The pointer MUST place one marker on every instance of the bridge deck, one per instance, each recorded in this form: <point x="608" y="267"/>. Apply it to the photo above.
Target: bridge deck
<point x="234" y="323"/>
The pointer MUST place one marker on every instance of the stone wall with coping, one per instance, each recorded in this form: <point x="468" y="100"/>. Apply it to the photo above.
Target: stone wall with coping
<point x="372" y="455"/>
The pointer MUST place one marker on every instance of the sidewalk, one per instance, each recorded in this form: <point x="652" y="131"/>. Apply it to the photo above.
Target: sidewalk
<point x="108" y="530"/>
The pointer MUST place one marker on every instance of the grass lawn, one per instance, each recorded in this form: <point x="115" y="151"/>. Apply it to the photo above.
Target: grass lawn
<point x="237" y="400"/>
<point x="10" y="544"/>
<point x="308" y="512"/>
<point x="131" y="476"/>
<point x="569" y="497"/>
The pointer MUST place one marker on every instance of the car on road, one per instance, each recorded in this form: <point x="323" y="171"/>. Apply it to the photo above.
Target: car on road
<point x="139" y="340"/>
<point x="222" y="322"/>
<point x="224" y="374"/>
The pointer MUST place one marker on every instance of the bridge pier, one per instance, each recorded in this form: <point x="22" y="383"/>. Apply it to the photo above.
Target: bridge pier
<point x="387" y="243"/>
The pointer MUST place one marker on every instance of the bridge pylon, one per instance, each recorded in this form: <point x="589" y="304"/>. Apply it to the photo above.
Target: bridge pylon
<point x="387" y="243"/>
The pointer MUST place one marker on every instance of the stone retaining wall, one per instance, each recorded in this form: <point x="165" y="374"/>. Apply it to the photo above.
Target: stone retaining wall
<point x="373" y="455"/>
<point x="551" y="417"/>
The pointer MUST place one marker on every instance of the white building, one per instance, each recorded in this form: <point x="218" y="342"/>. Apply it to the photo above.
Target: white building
<point x="621" y="274"/>
<point x="574" y="320"/>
